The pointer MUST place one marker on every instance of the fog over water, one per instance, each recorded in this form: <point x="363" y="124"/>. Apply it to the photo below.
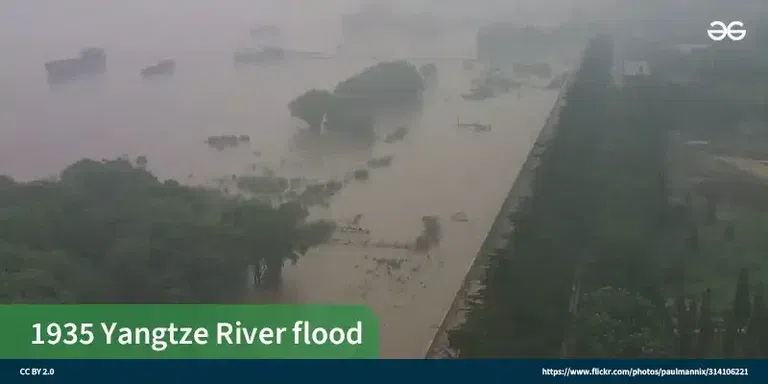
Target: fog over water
<point x="43" y="130"/>
<point x="439" y="169"/>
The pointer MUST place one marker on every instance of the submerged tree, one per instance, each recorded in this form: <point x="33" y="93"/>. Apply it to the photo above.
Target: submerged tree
<point x="107" y="231"/>
<point x="354" y="103"/>
<point x="613" y="323"/>
<point x="757" y="329"/>
<point x="311" y="107"/>
<point x="742" y="300"/>
<point x="392" y="82"/>
<point x="586" y="240"/>
<point x="706" y="325"/>
<point x="430" y="235"/>
<point x="428" y="73"/>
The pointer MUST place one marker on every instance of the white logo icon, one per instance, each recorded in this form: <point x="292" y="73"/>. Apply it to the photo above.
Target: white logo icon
<point x="720" y="31"/>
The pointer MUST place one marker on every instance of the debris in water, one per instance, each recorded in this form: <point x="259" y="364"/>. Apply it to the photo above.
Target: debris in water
<point x="380" y="162"/>
<point x="476" y="126"/>
<point x="447" y="353"/>
<point x="262" y="185"/>
<point x="355" y="229"/>
<point x="459" y="216"/>
<point x="361" y="174"/>
<point x="397" y="135"/>
<point x="222" y="142"/>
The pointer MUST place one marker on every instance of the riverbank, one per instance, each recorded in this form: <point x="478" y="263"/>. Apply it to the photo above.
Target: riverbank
<point x="496" y="238"/>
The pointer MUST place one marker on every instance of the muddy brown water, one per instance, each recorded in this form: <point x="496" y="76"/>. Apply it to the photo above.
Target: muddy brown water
<point x="439" y="169"/>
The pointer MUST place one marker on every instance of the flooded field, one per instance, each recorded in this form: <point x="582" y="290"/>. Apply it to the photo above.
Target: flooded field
<point x="439" y="169"/>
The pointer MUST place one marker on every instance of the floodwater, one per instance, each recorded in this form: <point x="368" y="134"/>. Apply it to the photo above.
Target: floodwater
<point x="438" y="169"/>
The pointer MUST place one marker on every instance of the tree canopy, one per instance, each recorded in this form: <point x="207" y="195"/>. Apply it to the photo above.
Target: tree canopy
<point x="429" y="74"/>
<point x="352" y="106"/>
<point x="559" y="235"/>
<point x="615" y="323"/>
<point x="386" y="82"/>
<point x="599" y="251"/>
<point x="107" y="231"/>
<point x="312" y="107"/>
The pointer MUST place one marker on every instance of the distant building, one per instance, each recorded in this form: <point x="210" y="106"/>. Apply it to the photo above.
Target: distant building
<point x="691" y="48"/>
<point x="501" y="44"/>
<point x="630" y="71"/>
<point x="635" y="68"/>
<point x="634" y="72"/>
<point x="92" y="61"/>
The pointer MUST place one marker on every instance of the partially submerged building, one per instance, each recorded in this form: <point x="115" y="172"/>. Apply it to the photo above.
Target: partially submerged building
<point x="91" y="61"/>
<point x="633" y="68"/>
<point x="633" y="72"/>
<point x="381" y="17"/>
<point x="370" y="19"/>
<point x="501" y="44"/>
<point x="163" y="68"/>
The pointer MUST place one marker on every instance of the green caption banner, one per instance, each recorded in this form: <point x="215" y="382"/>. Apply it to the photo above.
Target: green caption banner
<point x="187" y="331"/>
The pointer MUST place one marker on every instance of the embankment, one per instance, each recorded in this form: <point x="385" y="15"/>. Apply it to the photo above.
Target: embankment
<point x="496" y="236"/>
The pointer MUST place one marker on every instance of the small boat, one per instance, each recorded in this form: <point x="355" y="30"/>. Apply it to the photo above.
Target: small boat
<point x="163" y="68"/>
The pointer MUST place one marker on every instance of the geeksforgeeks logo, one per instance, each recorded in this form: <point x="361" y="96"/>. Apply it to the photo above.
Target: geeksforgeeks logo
<point x="734" y="31"/>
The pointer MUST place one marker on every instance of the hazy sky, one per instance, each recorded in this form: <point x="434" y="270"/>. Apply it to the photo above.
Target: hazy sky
<point x="32" y="31"/>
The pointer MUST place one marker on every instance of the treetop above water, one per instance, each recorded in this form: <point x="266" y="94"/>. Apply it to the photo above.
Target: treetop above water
<point x="109" y="231"/>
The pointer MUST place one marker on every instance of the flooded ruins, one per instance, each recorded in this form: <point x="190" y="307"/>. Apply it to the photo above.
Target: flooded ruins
<point x="412" y="209"/>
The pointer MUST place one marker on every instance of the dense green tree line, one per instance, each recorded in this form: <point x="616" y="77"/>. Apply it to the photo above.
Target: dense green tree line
<point x="523" y="309"/>
<point x="718" y="306"/>
<point x="713" y="92"/>
<point x="589" y="263"/>
<point x="108" y="231"/>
